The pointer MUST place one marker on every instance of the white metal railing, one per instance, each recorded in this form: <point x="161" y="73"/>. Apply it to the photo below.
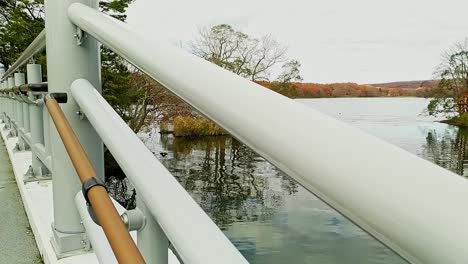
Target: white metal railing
<point x="192" y="233"/>
<point x="36" y="46"/>
<point x="411" y="205"/>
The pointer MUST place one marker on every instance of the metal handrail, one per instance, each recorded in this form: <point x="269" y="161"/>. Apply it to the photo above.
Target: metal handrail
<point x="193" y="234"/>
<point x="36" y="46"/>
<point x="378" y="186"/>
<point x="121" y="242"/>
<point x="25" y="88"/>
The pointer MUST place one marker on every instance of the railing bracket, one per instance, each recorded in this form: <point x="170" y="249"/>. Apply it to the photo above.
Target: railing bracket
<point x="134" y="219"/>
<point x="89" y="184"/>
<point x="61" y="98"/>
<point x="79" y="36"/>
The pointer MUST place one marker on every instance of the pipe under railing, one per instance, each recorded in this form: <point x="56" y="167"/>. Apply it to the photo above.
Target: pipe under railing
<point x="36" y="46"/>
<point x="413" y="206"/>
<point x="123" y="246"/>
<point x="192" y="233"/>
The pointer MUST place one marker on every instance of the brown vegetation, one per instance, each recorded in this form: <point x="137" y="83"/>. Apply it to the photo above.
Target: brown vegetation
<point x="408" y="84"/>
<point x="314" y="90"/>
<point x="189" y="126"/>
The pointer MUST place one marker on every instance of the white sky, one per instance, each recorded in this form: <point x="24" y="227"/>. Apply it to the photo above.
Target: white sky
<point x="363" y="41"/>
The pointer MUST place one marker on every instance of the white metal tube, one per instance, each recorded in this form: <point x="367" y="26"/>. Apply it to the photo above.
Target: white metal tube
<point x="413" y="206"/>
<point x="23" y="113"/>
<point x="2" y="98"/>
<point x="194" y="235"/>
<point x="36" y="46"/>
<point x="34" y="73"/>
<point x="46" y="127"/>
<point x="67" y="61"/>
<point x="152" y="242"/>
<point x="14" y="102"/>
<point x="96" y="235"/>
<point x="20" y="79"/>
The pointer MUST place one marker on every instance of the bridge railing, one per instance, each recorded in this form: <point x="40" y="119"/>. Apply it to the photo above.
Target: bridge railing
<point x="411" y="205"/>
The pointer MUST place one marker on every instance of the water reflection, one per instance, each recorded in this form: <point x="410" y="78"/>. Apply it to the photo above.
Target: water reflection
<point x="448" y="148"/>
<point x="269" y="217"/>
<point x="226" y="178"/>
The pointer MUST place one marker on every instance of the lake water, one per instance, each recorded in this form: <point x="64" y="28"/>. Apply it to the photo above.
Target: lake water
<point x="269" y="217"/>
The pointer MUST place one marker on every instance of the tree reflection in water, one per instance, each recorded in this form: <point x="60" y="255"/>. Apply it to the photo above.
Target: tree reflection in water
<point x="267" y="216"/>
<point x="448" y="149"/>
<point x="228" y="180"/>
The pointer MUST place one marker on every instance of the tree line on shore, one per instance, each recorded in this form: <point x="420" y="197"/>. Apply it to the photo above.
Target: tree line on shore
<point x="317" y="90"/>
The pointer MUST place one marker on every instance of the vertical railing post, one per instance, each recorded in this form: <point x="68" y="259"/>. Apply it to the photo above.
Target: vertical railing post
<point x="2" y="98"/>
<point x="6" y="108"/>
<point x="46" y="128"/>
<point x="14" y="108"/>
<point x="66" y="62"/>
<point x="7" y="105"/>
<point x="34" y="74"/>
<point x="11" y="108"/>
<point x="19" y="80"/>
<point x="152" y="242"/>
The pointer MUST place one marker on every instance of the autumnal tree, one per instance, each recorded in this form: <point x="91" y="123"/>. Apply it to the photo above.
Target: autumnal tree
<point x="452" y="93"/>
<point x="291" y="72"/>
<point x="151" y="103"/>
<point x="284" y="84"/>
<point x="252" y="58"/>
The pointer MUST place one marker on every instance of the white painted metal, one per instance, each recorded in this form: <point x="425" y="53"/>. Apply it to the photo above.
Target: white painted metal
<point x="95" y="233"/>
<point x="2" y="97"/>
<point x="152" y="242"/>
<point x="46" y="127"/>
<point x="413" y="206"/>
<point x="34" y="74"/>
<point x="36" y="46"/>
<point x="14" y="107"/>
<point x="65" y="62"/>
<point x="23" y="113"/>
<point x="193" y="234"/>
<point x="19" y="78"/>
<point x="19" y="111"/>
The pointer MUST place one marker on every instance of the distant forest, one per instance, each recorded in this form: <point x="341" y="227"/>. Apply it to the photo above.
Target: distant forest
<point x="314" y="90"/>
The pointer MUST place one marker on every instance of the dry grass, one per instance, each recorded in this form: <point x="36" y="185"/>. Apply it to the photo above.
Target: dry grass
<point x="190" y="127"/>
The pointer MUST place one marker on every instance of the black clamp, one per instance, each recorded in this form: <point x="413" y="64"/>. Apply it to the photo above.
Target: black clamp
<point x="61" y="98"/>
<point x="89" y="184"/>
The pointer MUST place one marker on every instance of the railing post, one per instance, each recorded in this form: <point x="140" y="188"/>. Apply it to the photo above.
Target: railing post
<point x="46" y="128"/>
<point x="19" y="80"/>
<point x="14" y="108"/>
<point x="2" y="98"/>
<point x="66" y="62"/>
<point x="11" y="109"/>
<point x="6" y="107"/>
<point x="152" y="242"/>
<point x="34" y="74"/>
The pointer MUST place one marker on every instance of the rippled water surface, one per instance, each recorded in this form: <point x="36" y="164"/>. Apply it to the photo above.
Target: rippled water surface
<point x="269" y="217"/>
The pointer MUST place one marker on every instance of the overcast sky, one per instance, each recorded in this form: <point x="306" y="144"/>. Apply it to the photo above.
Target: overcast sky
<point x="363" y="41"/>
